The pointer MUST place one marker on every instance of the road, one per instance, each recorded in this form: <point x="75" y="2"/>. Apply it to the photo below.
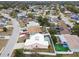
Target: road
<point x="13" y="39"/>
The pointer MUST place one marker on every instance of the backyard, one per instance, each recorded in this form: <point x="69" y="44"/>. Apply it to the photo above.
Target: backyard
<point x="59" y="47"/>
<point x="57" y="42"/>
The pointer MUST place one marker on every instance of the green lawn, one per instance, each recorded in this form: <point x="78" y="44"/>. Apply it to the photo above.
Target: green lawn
<point x="59" y="47"/>
<point x="71" y="21"/>
<point x="40" y="50"/>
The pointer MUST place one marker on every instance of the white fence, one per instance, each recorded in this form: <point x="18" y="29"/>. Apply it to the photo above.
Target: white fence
<point x="4" y="37"/>
<point x="57" y="52"/>
<point x="43" y="53"/>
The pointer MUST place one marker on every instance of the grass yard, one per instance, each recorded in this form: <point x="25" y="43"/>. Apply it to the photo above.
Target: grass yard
<point x="39" y="50"/>
<point x="59" y="47"/>
<point x="72" y="21"/>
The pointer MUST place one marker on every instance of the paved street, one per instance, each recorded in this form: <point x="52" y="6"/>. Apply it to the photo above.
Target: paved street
<point x="13" y="39"/>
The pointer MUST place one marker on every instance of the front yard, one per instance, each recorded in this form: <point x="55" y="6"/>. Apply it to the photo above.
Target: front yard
<point x="38" y="50"/>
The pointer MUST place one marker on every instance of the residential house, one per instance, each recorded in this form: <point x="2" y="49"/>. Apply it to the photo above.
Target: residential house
<point x="67" y="12"/>
<point x="73" y="42"/>
<point x="36" y="41"/>
<point x="32" y="23"/>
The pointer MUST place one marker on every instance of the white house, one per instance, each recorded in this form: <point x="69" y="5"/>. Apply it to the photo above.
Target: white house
<point x="53" y="18"/>
<point x="36" y="41"/>
<point x="32" y="23"/>
<point x="23" y="13"/>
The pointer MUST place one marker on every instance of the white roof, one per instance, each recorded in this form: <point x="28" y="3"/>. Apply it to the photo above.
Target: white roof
<point x="21" y="14"/>
<point x="37" y="38"/>
<point x="67" y="12"/>
<point x="32" y="23"/>
<point x="23" y="35"/>
<point x="77" y="21"/>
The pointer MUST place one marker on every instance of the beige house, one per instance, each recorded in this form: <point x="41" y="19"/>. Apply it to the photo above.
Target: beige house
<point x="73" y="42"/>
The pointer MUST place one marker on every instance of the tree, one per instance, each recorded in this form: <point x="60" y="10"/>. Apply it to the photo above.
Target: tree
<point x="13" y="14"/>
<point x="19" y="53"/>
<point x="24" y="7"/>
<point x="54" y="39"/>
<point x="52" y="32"/>
<point x="72" y="8"/>
<point x="59" y="17"/>
<point x="17" y="11"/>
<point x="30" y="15"/>
<point x="75" y="29"/>
<point x="43" y="21"/>
<point x="4" y="29"/>
<point x="1" y="6"/>
<point x="52" y="25"/>
<point x="1" y="16"/>
<point x="40" y="20"/>
<point x="48" y="12"/>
